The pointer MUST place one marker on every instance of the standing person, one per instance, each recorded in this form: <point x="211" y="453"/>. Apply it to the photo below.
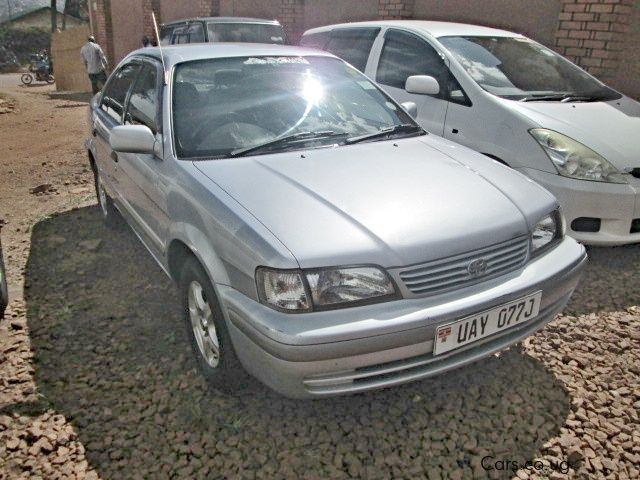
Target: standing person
<point x="95" y="63"/>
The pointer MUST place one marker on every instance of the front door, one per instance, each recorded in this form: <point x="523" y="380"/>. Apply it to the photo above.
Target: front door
<point x="404" y="54"/>
<point x="139" y="173"/>
<point x="107" y="116"/>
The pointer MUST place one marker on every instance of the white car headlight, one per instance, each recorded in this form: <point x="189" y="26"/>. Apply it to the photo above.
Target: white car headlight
<point x="573" y="159"/>
<point x="547" y="232"/>
<point x="322" y="289"/>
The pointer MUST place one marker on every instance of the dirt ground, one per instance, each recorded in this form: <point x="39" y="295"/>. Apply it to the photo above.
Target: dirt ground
<point x="96" y="380"/>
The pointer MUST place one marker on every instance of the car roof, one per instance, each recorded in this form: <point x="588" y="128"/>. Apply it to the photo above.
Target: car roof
<point x="435" y="29"/>
<point x="223" y="20"/>
<point x="174" y="54"/>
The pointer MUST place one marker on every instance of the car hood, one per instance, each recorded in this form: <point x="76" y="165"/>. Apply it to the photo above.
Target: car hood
<point x="609" y="128"/>
<point x="386" y="203"/>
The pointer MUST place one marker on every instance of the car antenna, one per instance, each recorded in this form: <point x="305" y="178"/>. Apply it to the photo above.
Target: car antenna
<point x="155" y="28"/>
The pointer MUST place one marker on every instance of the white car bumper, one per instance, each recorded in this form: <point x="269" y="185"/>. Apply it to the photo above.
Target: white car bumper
<point x="614" y="208"/>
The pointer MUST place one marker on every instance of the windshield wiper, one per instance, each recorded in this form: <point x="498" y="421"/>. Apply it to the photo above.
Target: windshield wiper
<point x="383" y="132"/>
<point x="285" y="140"/>
<point x="562" y="97"/>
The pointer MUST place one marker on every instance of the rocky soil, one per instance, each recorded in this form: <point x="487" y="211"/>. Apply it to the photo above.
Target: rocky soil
<point x="96" y="380"/>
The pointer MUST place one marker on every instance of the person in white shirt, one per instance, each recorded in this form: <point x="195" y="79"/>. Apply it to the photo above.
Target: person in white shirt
<point x="95" y="63"/>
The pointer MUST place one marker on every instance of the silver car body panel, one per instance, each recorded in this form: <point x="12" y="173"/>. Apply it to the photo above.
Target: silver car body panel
<point x="394" y="203"/>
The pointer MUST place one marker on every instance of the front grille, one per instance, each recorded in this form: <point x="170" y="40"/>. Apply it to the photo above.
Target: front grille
<point x="453" y="272"/>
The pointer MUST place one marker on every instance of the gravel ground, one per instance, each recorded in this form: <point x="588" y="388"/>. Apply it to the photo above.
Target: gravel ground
<point x="96" y="379"/>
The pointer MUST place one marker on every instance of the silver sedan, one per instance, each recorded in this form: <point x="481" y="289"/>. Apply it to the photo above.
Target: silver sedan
<point x="319" y="237"/>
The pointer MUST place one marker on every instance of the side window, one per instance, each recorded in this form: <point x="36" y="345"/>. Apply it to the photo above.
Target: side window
<point x="143" y="101"/>
<point x="315" y="40"/>
<point x="196" y="33"/>
<point x="115" y="92"/>
<point x="352" y="45"/>
<point x="180" y="35"/>
<point x="403" y="55"/>
<point x="165" y="35"/>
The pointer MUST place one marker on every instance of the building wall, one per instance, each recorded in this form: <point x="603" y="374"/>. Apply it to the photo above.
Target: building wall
<point x="65" y="52"/>
<point x="326" y="12"/>
<point x="127" y="26"/>
<point x="250" y="8"/>
<point x="627" y="76"/>
<point x="537" y="19"/>
<point x="602" y="36"/>
<point x="175" y="10"/>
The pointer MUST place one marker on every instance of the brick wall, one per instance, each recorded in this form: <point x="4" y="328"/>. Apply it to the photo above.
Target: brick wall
<point x="149" y="6"/>
<point x="595" y="34"/>
<point x="292" y="18"/>
<point x="395" y="9"/>
<point x="102" y="27"/>
<point x="591" y="33"/>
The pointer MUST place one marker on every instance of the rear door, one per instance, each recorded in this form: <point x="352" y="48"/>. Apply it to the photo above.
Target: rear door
<point x="404" y="54"/>
<point x="108" y="115"/>
<point x="139" y="173"/>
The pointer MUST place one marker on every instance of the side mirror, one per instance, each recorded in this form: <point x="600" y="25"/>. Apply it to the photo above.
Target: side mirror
<point x="422" y="85"/>
<point x="411" y="108"/>
<point x="132" y="139"/>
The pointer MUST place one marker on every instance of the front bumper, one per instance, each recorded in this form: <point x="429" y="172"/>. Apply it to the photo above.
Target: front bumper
<point x="356" y="349"/>
<point x="616" y="205"/>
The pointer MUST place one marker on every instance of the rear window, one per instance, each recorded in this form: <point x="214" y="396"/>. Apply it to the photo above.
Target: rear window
<point x="246" y="33"/>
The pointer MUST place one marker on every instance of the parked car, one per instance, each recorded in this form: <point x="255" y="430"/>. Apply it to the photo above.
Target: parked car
<point x="4" y="293"/>
<point x="516" y="101"/>
<point x="317" y="234"/>
<point x="222" y="29"/>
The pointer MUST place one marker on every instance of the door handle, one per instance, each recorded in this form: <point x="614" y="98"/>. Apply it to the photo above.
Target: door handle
<point x="114" y="157"/>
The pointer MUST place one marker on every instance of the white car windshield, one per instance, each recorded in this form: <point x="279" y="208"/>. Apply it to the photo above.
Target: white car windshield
<point x="519" y="68"/>
<point x="229" y="105"/>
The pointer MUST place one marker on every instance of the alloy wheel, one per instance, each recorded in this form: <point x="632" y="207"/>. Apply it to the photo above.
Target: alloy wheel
<point x="204" y="329"/>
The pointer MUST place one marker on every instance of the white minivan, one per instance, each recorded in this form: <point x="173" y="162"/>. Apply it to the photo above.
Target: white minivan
<point x="517" y="102"/>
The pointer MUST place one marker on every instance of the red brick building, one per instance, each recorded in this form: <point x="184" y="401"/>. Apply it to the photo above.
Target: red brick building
<point x="602" y="36"/>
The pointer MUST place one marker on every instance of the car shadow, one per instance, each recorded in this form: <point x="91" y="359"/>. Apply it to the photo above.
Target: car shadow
<point x="596" y="292"/>
<point x="110" y="355"/>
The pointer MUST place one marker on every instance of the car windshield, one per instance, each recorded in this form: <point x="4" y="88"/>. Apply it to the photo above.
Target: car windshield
<point x="519" y="68"/>
<point x="227" y="105"/>
<point x="245" y="33"/>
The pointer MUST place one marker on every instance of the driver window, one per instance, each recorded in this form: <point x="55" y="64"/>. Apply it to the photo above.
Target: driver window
<point x="143" y="101"/>
<point x="404" y="54"/>
<point x="116" y="90"/>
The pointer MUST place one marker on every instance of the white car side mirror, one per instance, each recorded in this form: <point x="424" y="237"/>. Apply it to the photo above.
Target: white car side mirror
<point x="411" y="108"/>
<point x="422" y="85"/>
<point x="132" y="139"/>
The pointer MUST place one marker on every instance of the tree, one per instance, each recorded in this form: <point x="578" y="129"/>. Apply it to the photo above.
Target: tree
<point x="54" y="15"/>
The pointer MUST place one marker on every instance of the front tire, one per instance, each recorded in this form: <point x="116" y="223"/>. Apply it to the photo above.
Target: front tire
<point x="207" y="331"/>
<point x="50" y="79"/>
<point x="26" y="78"/>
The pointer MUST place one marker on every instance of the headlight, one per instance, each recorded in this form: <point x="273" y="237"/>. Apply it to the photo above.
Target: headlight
<point x="547" y="232"/>
<point x="572" y="159"/>
<point x="322" y="289"/>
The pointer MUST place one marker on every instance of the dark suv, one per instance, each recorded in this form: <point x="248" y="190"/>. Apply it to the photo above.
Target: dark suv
<point x="222" y="29"/>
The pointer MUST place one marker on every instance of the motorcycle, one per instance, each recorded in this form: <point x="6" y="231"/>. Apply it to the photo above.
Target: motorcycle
<point x="40" y="69"/>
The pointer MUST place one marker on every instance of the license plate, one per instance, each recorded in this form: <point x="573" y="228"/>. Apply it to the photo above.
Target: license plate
<point x="480" y="325"/>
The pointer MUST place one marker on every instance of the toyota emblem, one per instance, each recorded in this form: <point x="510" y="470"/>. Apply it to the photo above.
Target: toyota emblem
<point x="477" y="268"/>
